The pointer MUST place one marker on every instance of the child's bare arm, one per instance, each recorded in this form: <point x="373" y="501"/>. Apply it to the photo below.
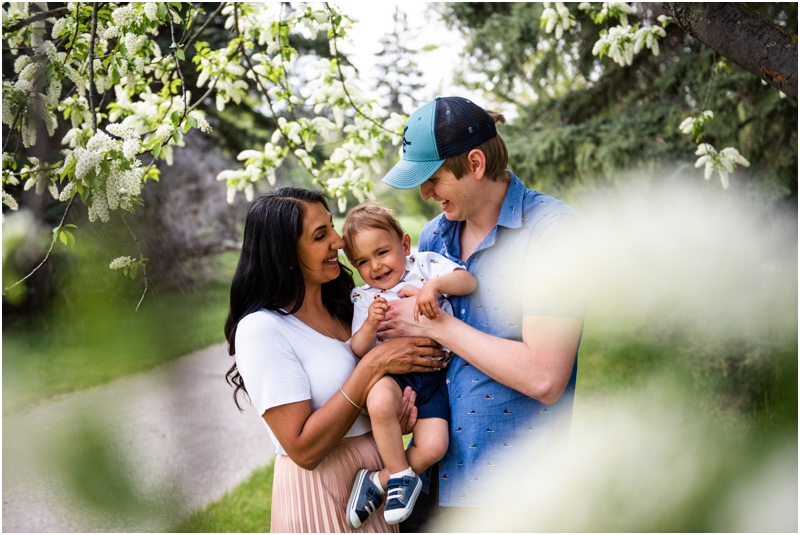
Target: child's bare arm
<point x="364" y="338"/>
<point x="458" y="282"/>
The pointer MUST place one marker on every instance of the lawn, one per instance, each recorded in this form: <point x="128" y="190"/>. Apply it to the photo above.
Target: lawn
<point x="245" y="509"/>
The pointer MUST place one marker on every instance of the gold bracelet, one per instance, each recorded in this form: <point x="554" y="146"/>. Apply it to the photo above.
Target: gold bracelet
<point x="348" y="399"/>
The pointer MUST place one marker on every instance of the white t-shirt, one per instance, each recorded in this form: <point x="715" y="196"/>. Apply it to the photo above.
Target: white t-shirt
<point x="420" y="268"/>
<point x="282" y="360"/>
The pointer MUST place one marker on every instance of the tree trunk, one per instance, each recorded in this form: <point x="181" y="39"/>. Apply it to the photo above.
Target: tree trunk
<point x="744" y="37"/>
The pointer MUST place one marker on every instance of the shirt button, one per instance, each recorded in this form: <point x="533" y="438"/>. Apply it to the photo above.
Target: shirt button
<point x="463" y="311"/>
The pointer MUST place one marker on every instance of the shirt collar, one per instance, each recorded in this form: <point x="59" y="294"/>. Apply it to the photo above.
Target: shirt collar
<point x="511" y="212"/>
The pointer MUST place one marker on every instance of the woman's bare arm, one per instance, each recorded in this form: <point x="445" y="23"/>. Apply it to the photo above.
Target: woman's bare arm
<point x="308" y="436"/>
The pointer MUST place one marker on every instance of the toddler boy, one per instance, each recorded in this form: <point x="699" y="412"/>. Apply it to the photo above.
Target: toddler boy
<point x="381" y="252"/>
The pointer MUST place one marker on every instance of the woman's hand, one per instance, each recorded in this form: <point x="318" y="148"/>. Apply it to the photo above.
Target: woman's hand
<point x="408" y="411"/>
<point x="406" y="355"/>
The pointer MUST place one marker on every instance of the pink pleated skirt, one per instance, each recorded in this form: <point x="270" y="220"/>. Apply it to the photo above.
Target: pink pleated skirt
<point x="314" y="501"/>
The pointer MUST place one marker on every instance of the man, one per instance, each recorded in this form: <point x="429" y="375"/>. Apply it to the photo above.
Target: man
<point x="515" y="339"/>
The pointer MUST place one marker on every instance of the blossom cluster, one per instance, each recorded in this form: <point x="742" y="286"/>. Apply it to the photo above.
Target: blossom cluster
<point x="608" y="10"/>
<point x="56" y="61"/>
<point x="335" y="88"/>
<point x="724" y="162"/>
<point x="121" y="262"/>
<point x="558" y="19"/>
<point x="694" y="125"/>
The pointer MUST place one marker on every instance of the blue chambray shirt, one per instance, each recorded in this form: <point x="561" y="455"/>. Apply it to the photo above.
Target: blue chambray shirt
<point x="493" y="428"/>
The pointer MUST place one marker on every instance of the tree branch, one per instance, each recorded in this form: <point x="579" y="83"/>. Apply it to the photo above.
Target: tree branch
<point x="141" y="257"/>
<point x="36" y="18"/>
<point x="744" y="37"/>
<point x="91" y="67"/>
<point x="55" y="238"/>
<point x="711" y="81"/>
<point x="204" y="26"/>
<point x="341" y="79"/>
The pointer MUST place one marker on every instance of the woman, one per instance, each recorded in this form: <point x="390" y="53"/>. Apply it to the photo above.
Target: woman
<point x="289" y="330"/>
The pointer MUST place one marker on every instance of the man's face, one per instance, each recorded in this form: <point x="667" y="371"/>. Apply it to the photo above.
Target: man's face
<point x="455" y="196"/>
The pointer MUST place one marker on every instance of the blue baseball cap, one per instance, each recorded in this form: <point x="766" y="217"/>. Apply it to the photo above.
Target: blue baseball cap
<point x="438" y="130"/>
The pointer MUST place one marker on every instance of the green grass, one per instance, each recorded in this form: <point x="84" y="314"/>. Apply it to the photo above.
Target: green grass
<point x="104" y="341"/>
<point x="245" y="509"/>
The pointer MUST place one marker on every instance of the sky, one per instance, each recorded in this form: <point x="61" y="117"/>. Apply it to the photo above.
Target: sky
<point x="426" y="28"/>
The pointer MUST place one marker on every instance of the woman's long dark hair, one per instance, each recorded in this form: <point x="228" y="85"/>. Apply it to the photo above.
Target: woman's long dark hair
<point x="268" y="274"/>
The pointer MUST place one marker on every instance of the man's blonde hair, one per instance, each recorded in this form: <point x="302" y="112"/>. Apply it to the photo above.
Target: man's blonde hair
<point x="368" y="215"/>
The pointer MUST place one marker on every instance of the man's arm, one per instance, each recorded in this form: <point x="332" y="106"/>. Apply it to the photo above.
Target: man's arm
<point x="539" y="366"/>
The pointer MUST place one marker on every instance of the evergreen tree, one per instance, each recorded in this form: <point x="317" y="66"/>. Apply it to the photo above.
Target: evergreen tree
<point x="582" y="117"/>
<point x="400" y="78"/>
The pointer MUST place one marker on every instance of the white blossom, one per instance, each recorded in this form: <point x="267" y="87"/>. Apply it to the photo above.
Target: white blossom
<point x="558" y="19"/>
<point x="21" y="62"/>
<point x="164" y="132"/>
<point x="66" y="193"/>
<point x="151" y="10"/>
<point x="99" y="207"/>
<point x="100" y="142"/>
<point x="10" y="201"/>
<point x="131" y="148"/>
<point x="121" y="262"/>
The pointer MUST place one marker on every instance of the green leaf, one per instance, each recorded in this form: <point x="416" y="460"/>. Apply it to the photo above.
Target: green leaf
<point x="180" y="54"/>
<point x="133" y="271"/>
<point x="176" y="136"/>
<point x="192" y="121"/>
<point x="62" y="237"/>
<point x="176" y="117"/>
<point x="70" y="225"/>
<point x="70" y="239"/>
<point x="125" y="270"/>
<point x="162" y="9"/>
<point x="186" y="127"/>
<point x="157" y="150"/>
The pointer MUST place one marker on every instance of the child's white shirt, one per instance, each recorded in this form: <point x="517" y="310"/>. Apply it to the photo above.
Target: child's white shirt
<point x="420" y="268"/>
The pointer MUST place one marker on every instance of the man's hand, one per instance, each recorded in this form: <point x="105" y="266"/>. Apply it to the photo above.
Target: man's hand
<point x="408" y="291"/>
<point x="408" y="411"/>
<point x="377" y="311"/>
<point x="400" y="321"/>
<point x="426" y="302"/>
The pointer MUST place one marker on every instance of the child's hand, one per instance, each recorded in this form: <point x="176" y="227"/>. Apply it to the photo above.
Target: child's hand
<point x="426" y="302"/>
<point x="377" y="311"/>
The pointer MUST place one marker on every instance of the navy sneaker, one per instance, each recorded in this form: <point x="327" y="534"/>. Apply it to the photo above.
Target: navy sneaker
<point x="401" y="496"/>
<point x="364" y="499"/>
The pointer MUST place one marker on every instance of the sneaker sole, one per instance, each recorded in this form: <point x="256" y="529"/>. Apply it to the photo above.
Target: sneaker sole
<point x="353" y="496"/>
<point x="413" y="501"/>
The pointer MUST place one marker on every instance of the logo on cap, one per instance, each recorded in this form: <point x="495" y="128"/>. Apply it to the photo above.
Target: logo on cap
<point x="405" y="141"/>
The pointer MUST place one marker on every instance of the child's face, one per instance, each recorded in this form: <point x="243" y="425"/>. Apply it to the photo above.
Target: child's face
<point x="380" y="256"/>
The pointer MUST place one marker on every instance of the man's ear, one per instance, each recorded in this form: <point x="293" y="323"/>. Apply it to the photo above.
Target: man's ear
<point x="477" y="163"/>
<point x="406" y="244"/>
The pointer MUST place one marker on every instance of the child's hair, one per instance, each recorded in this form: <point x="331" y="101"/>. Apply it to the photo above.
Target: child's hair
<point x="365" y="216"/>
<point x="495" y="151"/>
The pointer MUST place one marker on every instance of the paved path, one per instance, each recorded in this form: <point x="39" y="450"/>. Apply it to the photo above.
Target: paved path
<point x="175" y="431"/>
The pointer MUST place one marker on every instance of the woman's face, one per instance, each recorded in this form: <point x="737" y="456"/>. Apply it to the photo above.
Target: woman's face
<point x="318" y="246"/>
